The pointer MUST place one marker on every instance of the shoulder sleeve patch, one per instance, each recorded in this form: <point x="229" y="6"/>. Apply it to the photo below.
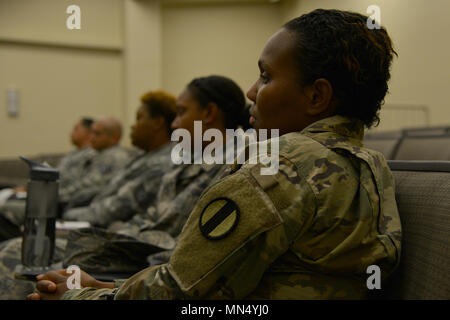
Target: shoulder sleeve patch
<point x="227" y="216"/>
<point x="219" y="218"/>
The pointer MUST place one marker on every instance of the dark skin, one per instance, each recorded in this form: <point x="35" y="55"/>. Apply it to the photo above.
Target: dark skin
<point x="80" y="136"/>
<point x="148" y="133"/>
<point x="53" y="284"/>
<point x="189" y="110"/>
<point x="280" y="102"/>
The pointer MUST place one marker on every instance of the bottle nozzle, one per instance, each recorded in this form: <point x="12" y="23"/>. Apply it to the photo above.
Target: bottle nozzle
<point x="40" y="171"/>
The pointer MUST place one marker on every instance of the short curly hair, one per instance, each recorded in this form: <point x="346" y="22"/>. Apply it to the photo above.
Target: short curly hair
<point x="338" y="46"/>
<point x="160" y="104"/>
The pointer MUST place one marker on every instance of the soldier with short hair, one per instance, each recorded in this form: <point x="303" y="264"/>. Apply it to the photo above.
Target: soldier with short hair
<point x="110" y="158"/>
<point x="131" y="190"/>
<point x="215" y="101"/>
<point x="311" y="230"/>
<point x="134" y="187"/>
<point x="71" y="167"/>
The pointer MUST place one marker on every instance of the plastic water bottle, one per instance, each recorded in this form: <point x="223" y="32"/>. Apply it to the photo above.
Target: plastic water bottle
<point x="38" y="241"/>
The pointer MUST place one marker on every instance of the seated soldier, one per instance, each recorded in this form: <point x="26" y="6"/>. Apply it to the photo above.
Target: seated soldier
<point x="311" y="230"/>
<point x="134" y="187"/>
<point x="97" y="172"/>
<point x="215" y="101"/>
<point x="110" y="158"/>
<point x="71" y="167"/>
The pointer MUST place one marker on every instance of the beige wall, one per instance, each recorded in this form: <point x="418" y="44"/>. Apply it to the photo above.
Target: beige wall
<point x="201" y="40"/>
<point x="420" y="31"/>
<point x="126" y="47"/>
<point x="45" y="21"/>
<point x="56" y="87"/>
<point x="60" y="74"/>
<point x="142" y="54"/>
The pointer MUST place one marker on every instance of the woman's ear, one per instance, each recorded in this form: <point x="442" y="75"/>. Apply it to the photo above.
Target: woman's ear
<point x="210" y="113"/>
<point x="320" y="94"/>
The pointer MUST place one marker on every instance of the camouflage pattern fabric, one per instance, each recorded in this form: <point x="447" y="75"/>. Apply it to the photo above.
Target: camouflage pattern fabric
<point x="8" y="229"/>
<point x="13" y="214"/>
<point x="131" y="170"/>
<point x="149" y="234"/>
<point x="132" y="190"/>
<point x="98" y="251"/>
<point x="72" y="166"/>
<point x="308" y="232"/>
<point x="98" y="172"/>
<point x="179" y="191"/>
<point x="10" y="256"/>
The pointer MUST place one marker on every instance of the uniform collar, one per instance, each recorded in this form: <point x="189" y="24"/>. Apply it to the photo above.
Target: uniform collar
<point x="336" y="131"/>
<point x="343" y="126"/>
<point x="109" y="149"/>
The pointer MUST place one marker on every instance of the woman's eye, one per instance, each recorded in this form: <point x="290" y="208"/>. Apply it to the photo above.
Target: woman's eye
<point x="265" y="77"/>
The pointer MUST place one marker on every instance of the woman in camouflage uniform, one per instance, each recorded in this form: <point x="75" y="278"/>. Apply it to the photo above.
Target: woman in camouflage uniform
<point x="311" y="230"/>
<point x="123" y="248"/>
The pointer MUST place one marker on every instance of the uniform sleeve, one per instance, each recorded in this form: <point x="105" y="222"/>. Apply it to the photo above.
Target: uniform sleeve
<point x="171" y="214"/>
<point x="103" y="168"/>
<point x="73" y="165"/>
<point x="239" y="227"/>
<point x="96" y="176"/>
<point x="92" y="293"/>
<point x="78" y="214"/>
<point x="65" y="170"/>
<point x="85" y="196"/>
<point x="88" y="294"/>
<point x="135" y="196"/>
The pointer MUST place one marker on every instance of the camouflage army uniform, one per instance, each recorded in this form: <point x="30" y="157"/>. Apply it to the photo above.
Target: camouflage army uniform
<point x="310" y="231"/>
<point x="72" y="166"/>
<point x="179" y="191"/>
<point x="100" y="170"/>
<point x="122" y="195"/>
<point x="152" y="234"/>
<point x="98" y="173"/>
<point x="10" y="256"/>
<point x="132" y="190"/>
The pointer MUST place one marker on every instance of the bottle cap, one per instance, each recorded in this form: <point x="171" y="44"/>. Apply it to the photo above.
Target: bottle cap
<point x="41" y="172"/>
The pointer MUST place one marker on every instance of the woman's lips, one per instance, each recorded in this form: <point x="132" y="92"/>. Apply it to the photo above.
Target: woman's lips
<point x="252" y="118"/>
